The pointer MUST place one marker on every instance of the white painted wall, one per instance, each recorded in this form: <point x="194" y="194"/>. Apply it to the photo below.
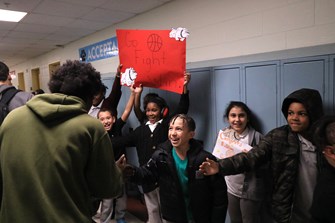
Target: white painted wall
<point x="219" y="29"/>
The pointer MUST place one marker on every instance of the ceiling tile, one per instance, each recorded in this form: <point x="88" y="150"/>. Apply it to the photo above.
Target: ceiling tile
<point x="95" y="3"/>
<point x="7" y="25"/>
<point x="26" y="35"/>
<point x="57" y="8"/>
<point x="43" y="19"/>
<point x="36" y="28"/>
<point x="52" y="23"/>
<point x="88" y="24"/>
<point x="19" y="5"/>
<point x="131" y="5"/>
<point x="105" y="15"/>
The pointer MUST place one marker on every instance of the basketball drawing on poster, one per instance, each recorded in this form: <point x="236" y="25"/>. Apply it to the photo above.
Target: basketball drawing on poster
<point x="153" y="58"/>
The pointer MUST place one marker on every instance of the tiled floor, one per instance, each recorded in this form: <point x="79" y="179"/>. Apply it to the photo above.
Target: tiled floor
<point x="136" y="206"/>
<point x="130" y="219"/>
<point x="136" y="211"/>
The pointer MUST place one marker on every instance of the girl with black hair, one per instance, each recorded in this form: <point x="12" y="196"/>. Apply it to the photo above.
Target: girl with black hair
<point x="246" y="191"/>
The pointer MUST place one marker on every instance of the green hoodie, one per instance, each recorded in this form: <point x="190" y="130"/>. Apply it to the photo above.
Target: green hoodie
<point x="53" y="158"/>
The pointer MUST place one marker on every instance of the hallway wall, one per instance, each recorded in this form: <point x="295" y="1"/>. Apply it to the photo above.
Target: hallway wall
<point x="219" y="31"/>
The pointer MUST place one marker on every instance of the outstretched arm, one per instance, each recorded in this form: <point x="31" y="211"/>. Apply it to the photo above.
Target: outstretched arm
<point x="129" y="105"/>
<point x="209" y="167"/>
<point x="184" y="101"/>
<point x="113" y="99"/>
<point x="187" y="79"/>
<point x="140" y="115"/>
<point x="139" y="175"/>
<point x="242" y="162"/>
<point x="127" y="170"/>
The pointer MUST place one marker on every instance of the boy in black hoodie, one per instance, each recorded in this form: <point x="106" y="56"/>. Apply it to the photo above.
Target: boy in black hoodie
<point x="294" y="161"/>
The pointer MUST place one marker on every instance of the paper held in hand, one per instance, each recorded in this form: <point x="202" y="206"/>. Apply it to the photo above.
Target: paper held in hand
<point x="227" y="146"/>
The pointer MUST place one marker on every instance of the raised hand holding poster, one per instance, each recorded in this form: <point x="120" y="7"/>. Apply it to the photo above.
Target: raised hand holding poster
<point x="227" y="146"/>
<point x="153" y="58"/>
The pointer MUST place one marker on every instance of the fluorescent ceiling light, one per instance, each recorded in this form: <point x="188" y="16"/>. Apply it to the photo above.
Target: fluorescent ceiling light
<point x="11" y="16"/>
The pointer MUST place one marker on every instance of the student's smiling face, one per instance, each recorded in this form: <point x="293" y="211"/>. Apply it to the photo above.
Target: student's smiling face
<point x="238" y="119"/>
<point x="179" y="134"/>
<point x="106" y="119"/>
<point x="153" y="112"/>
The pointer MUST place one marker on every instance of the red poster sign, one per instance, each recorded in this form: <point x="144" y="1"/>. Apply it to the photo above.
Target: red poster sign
<point x="158" y="59"/>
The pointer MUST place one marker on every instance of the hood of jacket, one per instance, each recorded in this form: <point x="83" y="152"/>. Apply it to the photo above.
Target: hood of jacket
<point x="310" y="98"/>
<point x="56" y="107"/>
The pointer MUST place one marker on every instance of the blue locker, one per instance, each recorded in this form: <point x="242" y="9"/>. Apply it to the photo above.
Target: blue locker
<point x="261" y="89"/>
<point x="227" y="87"/>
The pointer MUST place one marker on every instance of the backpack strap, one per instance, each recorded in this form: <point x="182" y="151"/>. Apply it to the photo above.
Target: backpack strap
<point x="8" y="94"/>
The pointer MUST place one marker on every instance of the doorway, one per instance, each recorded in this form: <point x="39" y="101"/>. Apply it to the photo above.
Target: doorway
<point x="35" y="78"/>
<point x="20" y="77"/>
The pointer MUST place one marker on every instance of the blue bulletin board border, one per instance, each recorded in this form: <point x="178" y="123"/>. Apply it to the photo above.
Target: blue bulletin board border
<point x="100" y="50"/>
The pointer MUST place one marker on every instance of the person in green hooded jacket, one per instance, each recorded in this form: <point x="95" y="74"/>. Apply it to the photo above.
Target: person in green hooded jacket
<point x="54" y="156"/>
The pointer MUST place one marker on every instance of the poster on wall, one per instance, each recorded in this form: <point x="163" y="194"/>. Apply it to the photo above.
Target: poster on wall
<point x="153" y="58"/>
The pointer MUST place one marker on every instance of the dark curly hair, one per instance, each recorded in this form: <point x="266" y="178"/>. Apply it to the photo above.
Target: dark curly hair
<point x="4" y="71"/>
<point x="160" y="102"/>
<point x="147" y="97"/>
<point x="77" y="79"/>
<point x="322" y="134"/>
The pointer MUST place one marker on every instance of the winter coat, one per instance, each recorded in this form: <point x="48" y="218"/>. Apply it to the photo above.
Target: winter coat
<point x="53" y="157"/>
<point x="146" y="142"/>
<point x="323" y="207"/>
<point x="208" y="196"/>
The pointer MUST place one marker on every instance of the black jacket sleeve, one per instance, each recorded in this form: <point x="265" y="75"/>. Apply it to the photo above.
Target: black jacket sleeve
<point x="112" y="101"/>
<point x="243" y="162"/>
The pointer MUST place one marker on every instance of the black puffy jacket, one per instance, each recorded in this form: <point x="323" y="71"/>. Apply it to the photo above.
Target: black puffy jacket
<point x="208" y="194"/>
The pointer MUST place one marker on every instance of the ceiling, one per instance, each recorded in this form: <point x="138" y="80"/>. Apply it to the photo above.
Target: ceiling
<point x="50" y="24"/>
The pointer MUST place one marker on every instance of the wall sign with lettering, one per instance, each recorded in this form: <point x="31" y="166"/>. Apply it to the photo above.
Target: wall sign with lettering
<point x="100" y="50"/>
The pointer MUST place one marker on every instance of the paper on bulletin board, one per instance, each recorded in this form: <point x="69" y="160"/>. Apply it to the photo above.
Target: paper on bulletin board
<point x="152" y="57"/>
<point x="227" y="146"/>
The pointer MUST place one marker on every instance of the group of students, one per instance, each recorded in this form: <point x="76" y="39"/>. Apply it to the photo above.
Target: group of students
<point x="146" y="137"/>
<point x="274" y="181"/>
<point x="61" y="162"/>
<point x="296" y="164"/>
